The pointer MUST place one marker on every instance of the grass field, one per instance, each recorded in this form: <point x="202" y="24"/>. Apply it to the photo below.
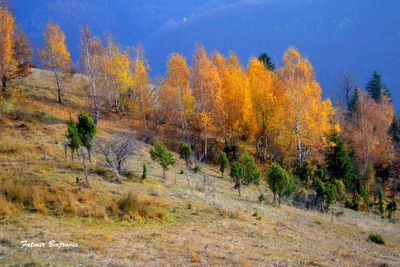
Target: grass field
<point x="185" y="222"/>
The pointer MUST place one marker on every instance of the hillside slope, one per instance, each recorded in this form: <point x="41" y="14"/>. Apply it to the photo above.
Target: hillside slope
<point x="185" y="222"/>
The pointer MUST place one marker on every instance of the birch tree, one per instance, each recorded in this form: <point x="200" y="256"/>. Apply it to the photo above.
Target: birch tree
<point x="55" y="55"/>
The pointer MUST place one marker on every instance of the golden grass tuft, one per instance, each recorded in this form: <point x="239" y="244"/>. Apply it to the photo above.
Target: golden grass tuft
<point x="231" y="214"/>
<point x="195" y="258"/>
<point x="131" y="207"/>
<point x="9" y="145"/>
<point x="97" y="245"/>
<point x="24" y="193"/>
<point x="52" y="198"/>
<point x="5" y="207"/>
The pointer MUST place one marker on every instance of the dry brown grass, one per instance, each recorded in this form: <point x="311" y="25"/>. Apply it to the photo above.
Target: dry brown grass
<point x="5" y="207"/>
<point x="50" y="198"/>
<point x="130" y="206"/>
<point x="231" y="214"/>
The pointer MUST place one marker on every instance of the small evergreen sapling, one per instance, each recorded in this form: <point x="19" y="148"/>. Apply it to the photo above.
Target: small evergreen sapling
<point x="74" y="141"/>
<point x="279" y="181"/>
<point x="391" y="208"/>
<point x="87" y="132"/>
<point x="251" y="174"/>
<point x="223" y="161"/>
<point x="185" y="151"/>
<point x="237" y="175"/>
<point x="160" y="154"/>
<point x="326" y="192"/>
<point x="144" y="173"/>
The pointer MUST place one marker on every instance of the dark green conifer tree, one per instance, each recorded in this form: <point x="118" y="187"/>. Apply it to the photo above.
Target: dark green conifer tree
<point x="375" y="87"/>
<point x="266" y="60"/>
<point x="74" y="141"/>
<point x="338" y="162"/>
<point x="353" y="100"/>
<point x="87" y="131"/>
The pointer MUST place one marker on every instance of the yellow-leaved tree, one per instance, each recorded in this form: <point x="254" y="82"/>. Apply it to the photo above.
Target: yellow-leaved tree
<point x="175" y="97"/>
<point x="54" y="54"/>
<point x="234" y="110"/>
<point x="8" y="63"/>
<point x="206" y="83"/>
<point x="117" y="75"/>
<point x="145" y="100"/>
<point x="266" y="108"/>
<point x="307" y="118"/>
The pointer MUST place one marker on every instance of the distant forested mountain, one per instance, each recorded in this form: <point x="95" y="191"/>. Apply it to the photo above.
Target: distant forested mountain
<point x="356" y="35"/>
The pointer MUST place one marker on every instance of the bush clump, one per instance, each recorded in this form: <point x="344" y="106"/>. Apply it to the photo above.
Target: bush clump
<point x="391" y="208"/>
<point x="326" y="193"/>
<point x="378" y="239"/>
<point x="353" y="204"/>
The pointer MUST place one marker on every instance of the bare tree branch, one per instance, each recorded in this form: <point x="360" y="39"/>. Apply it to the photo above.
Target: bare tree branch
<point x="116" y="152"/>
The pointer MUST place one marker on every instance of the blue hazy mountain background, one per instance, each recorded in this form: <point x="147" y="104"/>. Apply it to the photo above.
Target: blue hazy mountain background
<point x="337" y="35"/>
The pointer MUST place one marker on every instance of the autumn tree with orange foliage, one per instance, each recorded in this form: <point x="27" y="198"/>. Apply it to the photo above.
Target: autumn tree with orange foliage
<point x="234" y="115"/>
<point x="117" y="75"/>
<point x="206" y="84"/>
<point x="266" y="108"/>
<point x="8" y="63"/>
<point x="22" y="54"/>
<point x="145" y="98"/>
<point x="54" y="54"/>
<point x="175" y="97"/>
<point x="367" y="130"/>
<point x="307" y="120"/>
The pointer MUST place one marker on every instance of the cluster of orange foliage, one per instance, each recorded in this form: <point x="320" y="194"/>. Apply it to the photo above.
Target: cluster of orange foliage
<point x="8" y="63"/>
<point x="15" y="52"/>
<point x="218" y="98"/>
<point x="215" y="98"/>
<point x="54" y="54"/>
<point x="367" y="132"/>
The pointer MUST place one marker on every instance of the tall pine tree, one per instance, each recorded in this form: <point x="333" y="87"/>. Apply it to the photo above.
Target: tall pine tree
<point x="353" y="100"/>
<point x="375" y="87"/>
<point x="338" y="163"/>
<point x="266" y="60"/>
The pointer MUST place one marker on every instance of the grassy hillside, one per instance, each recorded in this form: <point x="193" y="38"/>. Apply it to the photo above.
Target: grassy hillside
<point x="193" y="220"/>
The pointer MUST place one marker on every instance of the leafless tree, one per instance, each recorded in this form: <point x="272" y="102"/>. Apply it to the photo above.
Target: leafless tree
<point x="346" y="85"/>
<point x="116" y="152"/>
<point x="91" y="53"/>
<point x="4" y="4"/>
